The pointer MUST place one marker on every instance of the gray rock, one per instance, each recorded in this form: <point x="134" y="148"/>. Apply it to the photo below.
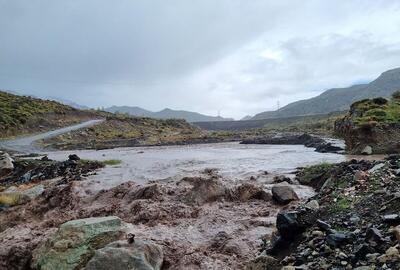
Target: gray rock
<point x="6" y="163"/>
<point x="33" y="192"/>
<point x="264" y="263"/>
<point x="377" y="167"/>
<point x="284" y="194"/>
<point x="74" y="243"/>
<point x="312" y="205"/>
<point x="367" y="150"/>
<point x="120" y="255"/>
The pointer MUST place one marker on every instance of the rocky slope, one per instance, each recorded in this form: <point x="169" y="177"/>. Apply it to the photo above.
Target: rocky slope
<point x="352" y="223"/>
<point x="372" y="126"/>
<point x="339" y="99"/>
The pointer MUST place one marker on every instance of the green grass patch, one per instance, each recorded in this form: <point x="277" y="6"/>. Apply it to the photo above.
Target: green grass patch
<point x="342" y="204"/>
<point x="372" y="112"/>
<point x="112" y="162"/>
<point x="308" y="174"/>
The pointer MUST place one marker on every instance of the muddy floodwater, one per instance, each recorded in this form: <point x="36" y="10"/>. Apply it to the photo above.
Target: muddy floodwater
<point x="232" y="160"/>
<point x="209" y="206"/>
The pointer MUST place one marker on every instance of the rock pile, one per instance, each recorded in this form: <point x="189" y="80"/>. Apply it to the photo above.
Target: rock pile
<point x="352" y="223"/>
<point x="307" y="140"/>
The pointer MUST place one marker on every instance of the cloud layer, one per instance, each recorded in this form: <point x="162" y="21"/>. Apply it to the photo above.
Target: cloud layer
<point x="236" y="56"/>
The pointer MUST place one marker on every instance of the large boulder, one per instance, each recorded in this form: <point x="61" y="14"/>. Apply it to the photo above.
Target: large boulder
<point x="204" y="190"/>
<point x="121" y="255"/>
<point x="76" y="241"/>
<point x="284" y="194"/>
<point x="6" y="164"/>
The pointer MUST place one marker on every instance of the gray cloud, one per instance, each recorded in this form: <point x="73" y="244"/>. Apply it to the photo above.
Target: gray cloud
<point x="232" y="55"/>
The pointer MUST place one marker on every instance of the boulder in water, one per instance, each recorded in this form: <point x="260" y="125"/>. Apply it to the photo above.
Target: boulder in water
<point x="121" y="255"/>
<point x="74" y="243"/>
<point x="284" y="194"/>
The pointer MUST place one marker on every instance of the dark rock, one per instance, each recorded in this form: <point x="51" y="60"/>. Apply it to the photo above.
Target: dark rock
<point x="45" y="158"/>
<point x="373" y="234"/>
<point x="328" y="148"/>
<point x="362" y="251"/>
<point x="284" y="194"/>
<point x="282" y="178"/>
<point x="74" y="157"/>
<point x="337" y="239"/>
<point x="323" y="225"/>
<point x="393" y="219"/>
<point x="288" y="225"/>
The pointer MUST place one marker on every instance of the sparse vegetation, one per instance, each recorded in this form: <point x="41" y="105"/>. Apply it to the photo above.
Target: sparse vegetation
<point x="376" y="111"/>
<point x="22" y="115"/>
<point x="123" y="130"/>
<point x="111" y="162"/>
<point x="309" y="174"/>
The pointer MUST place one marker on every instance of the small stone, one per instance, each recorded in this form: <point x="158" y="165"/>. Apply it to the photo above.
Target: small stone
<point x="391" y="219"/>
<point x="344" y="263"/>
<point x="342" y="255"/>
<point x="336" y="239"/>
<point x="359" y="176"/>
<point x="289" y="267"/>
<point x="355" y="219"/>
<point x="377" y="167"/>
<point x="392" y="252"/>
<point x="363" y="268"/>
<point x="367" y="150"/>
<point x="284" y="194"/>
<point x="262" y="262"/>
<point x="372" y="257"/>
<point x="323" y="225"/>
<point x="312" y="205"/>
<point x="317" y="234"/>
<point x="396" y="232"/>
<point x="374" y="234"/>
<point x="74" y="157"/>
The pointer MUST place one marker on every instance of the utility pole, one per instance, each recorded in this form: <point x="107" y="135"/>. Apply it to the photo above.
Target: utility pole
<point x="219" y="113"/>
<point x="278" y="104"/>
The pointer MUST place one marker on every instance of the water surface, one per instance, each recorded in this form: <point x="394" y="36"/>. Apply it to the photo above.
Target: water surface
<point x="233" y="160"/>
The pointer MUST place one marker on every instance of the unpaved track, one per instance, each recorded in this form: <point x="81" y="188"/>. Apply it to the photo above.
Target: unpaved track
<point x="27" y="144"/>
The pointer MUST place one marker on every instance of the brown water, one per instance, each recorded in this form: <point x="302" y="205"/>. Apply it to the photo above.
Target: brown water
<point x="233" y="161"/>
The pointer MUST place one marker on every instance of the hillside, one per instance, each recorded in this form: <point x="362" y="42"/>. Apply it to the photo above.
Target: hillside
<point x="24" y="115"/>
<point x="372" y="126"/>
<point x="166" y="114"/>
<point x="339" y="99"/>
<point x="120" y="131"/>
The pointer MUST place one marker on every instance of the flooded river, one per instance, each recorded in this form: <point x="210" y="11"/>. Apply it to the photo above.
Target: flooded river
<point x="232" y="160"/>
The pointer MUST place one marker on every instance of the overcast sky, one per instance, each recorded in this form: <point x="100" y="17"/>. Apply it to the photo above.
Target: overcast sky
<point x="236" y="56"/>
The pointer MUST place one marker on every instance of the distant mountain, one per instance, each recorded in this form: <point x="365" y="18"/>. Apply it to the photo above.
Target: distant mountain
<point x="69" y="103"/>
<point x="247" y="117"/>
<point x="136" y="111"/>
<point x="166" y="114"/>
<point x="339" y="99"/>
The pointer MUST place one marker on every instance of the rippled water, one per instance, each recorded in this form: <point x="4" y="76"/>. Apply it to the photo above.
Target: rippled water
<point x="233" y="160"/>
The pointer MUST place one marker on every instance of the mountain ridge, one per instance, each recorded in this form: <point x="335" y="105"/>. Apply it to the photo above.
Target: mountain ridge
<point x="339" y="99"/>
<point x="166" y="114"/>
